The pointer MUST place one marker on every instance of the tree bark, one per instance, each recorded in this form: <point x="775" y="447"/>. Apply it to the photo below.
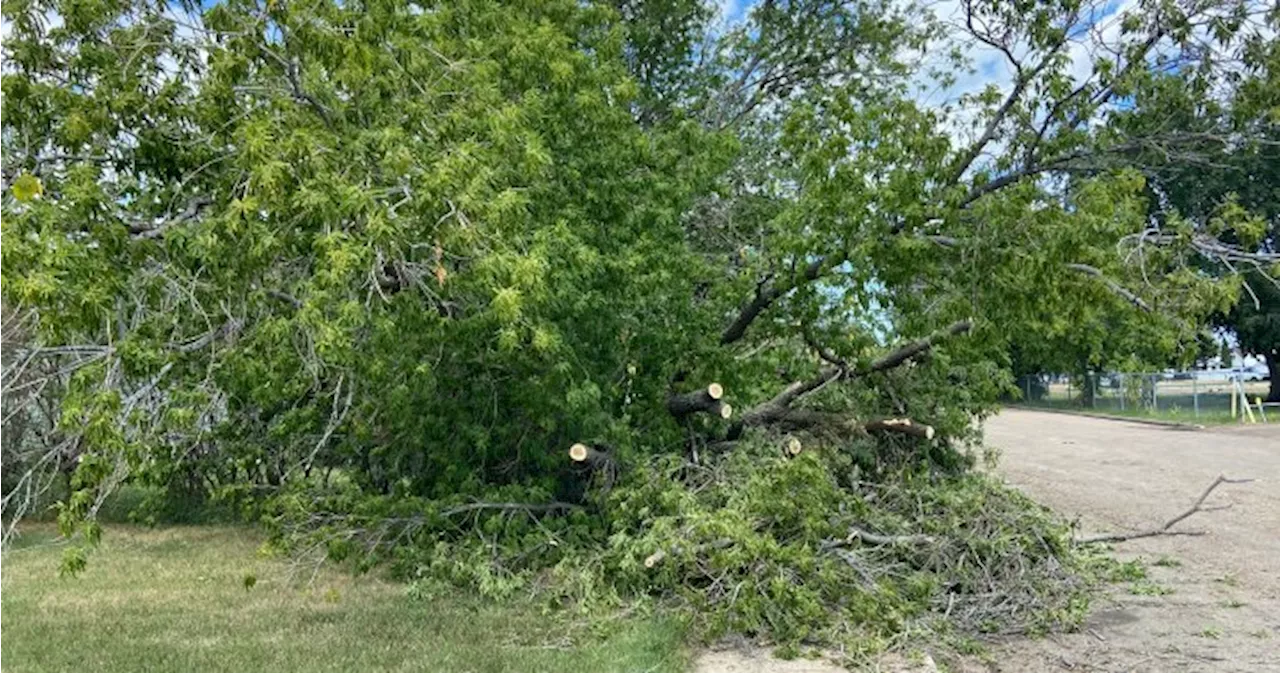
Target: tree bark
<point x="904" y="426"/>
<point x="767" y="293"/>
<point x="705" y="400"/>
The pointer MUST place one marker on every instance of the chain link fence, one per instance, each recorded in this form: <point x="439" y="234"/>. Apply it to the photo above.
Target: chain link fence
<point x="1198" y="395"/>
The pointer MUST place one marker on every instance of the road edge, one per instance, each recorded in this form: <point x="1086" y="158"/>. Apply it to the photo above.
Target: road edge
<point x="1178" y="425"/>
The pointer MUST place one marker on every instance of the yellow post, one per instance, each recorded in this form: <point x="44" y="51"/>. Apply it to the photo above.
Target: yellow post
<point x="1233" y="403"/>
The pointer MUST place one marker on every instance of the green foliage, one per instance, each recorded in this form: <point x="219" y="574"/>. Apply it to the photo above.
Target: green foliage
<point x="366" y="270"/>
<point x="1237" y="199"/>
<point x="756" y="543"/>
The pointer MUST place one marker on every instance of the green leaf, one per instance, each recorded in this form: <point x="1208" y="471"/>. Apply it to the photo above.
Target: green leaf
<point x="27" y="187"/>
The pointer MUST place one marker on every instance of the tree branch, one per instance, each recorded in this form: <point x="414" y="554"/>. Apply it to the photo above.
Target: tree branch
<point x="1113" y="285"/>
<point x="904" y="353"/>
<point x="859" y="535"/>
<point x="510" y="507"/>
<point x="767" y="293"/>
<point x="778" y="409"/>
<point x="143" y="230"/>
<point x="706" y="400"/>
<point x="1168" y="525"/>
<point x="657" y="557"/>
<point x="903" y="426"/>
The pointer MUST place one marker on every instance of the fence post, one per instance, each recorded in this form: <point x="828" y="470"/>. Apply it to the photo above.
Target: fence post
<point x="1195" y="394"/>
<point x="1155" y="396"/>
<point x="1232" y="387"/>
<point x="1027" y="385"/>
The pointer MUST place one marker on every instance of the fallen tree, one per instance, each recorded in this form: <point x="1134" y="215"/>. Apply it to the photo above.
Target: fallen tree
<point x="508" y="294"/>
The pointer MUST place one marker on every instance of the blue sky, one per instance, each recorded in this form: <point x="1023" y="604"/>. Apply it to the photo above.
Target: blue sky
<point x="988" y="64"/>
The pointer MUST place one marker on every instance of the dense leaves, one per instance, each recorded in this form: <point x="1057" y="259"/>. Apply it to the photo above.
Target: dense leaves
<point x="1223" y="174"/>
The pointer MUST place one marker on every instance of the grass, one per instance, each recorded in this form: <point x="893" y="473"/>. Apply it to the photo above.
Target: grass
<point x="1149" y="588"/>
<point x="1176" y="401"/>
<point x="1211" y="632"/>
<point x="175" y="599"/>
<point x="1174" y="414"/>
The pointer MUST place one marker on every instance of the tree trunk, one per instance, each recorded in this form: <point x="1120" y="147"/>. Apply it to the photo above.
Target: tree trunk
<point x="1273" y="369"/>
<point x="1086" y="389"/>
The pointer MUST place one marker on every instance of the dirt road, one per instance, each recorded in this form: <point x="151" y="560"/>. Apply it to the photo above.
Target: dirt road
<point x="1223" y="612"/>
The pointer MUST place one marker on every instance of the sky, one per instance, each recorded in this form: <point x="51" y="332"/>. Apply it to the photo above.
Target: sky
<point x="989" y="65"/>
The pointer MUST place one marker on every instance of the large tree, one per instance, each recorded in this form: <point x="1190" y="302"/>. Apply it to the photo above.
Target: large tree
<point x="1219" y="169"/>
<point x="472" y="257"/>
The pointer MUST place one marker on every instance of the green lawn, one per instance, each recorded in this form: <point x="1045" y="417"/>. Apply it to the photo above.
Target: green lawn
<point x="174" y="599"/>
<point x="1178" y="414"/>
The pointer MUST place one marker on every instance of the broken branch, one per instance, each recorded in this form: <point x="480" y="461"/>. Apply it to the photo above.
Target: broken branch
<point x="859" y="535"/>
<point x="901" y="425"/>
<point x="510" y="507"/>
<point x="779" y="408"/>
<point x="706" y="400"/>
<point x="1168" y="525"/>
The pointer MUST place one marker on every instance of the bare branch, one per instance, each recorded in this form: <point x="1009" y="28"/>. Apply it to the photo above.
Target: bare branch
<point x="1113" y="285"/>
<point x="1166" y="529"/>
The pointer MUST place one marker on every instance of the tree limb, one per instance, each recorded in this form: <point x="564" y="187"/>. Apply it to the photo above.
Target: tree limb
<point x="510" y="507"/>
<point x="906" y="352"/>
<point x="778" y="409"/>
<point x="859" y="535"/>
<point x="767" y="293"/>
<point x="657" y="557"/>
<point x="1113" y="285"/>
<point x="1168" y="525"/>
<point x="144" y="230"/>
<point x="706" y="400"/>
<point x="903" y="426"/>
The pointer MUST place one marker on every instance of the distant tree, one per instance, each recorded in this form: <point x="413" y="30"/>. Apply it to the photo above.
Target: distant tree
<point x="1220" y="172"/>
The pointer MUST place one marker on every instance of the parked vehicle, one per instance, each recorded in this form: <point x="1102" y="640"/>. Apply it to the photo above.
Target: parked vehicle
<point x="1253" y="373"/>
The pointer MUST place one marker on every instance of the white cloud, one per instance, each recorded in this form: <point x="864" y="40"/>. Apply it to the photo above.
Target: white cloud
<point x="733" y="11"/>
<point x="990" y="67"/>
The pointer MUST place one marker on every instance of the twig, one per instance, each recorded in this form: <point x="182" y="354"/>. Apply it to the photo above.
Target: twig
<point x="656" y="557"/>
<point x="1113" y="285"/>
<point x="510" y="506"/>
<point x="877" y="539"/>
<point x="1165" y="529"/>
